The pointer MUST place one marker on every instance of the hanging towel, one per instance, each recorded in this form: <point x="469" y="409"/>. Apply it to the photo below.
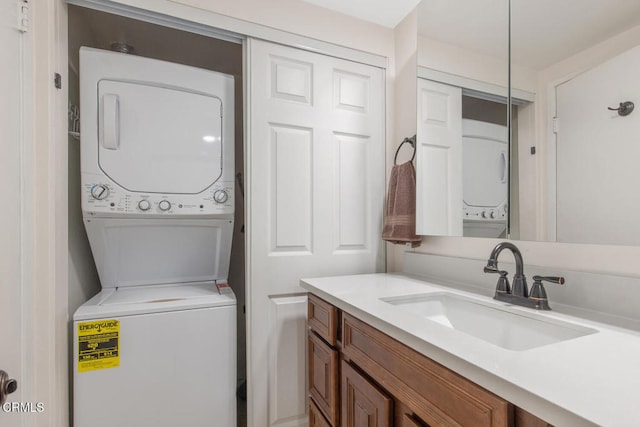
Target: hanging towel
<point x="400" y="215"/>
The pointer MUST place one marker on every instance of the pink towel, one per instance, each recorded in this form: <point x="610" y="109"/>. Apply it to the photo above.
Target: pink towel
<point x="400" y="216"/>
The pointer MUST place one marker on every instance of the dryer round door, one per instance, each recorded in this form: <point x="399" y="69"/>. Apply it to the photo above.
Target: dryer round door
<point x="156" y="139"/>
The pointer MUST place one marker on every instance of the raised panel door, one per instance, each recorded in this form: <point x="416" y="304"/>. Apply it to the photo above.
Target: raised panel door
<point x="323" y="377"/>
<point x="315" y="190"/>
<point x="363" y="403"/>
<point x="439" y="160"/>
<point x="316" y="419"/>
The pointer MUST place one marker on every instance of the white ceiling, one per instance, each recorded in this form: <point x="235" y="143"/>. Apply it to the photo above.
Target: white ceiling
<point x="387" y="13"/>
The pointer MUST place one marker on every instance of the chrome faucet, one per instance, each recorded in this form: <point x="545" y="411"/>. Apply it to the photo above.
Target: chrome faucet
<point x="519" y="295"/>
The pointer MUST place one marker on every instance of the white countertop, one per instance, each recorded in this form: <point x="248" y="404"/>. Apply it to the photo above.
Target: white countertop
<point x="593" y="379"/>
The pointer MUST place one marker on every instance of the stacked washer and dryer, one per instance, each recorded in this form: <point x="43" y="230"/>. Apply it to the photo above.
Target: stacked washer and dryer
<point x="485" y="176"/>
<point x="157" y="346"/>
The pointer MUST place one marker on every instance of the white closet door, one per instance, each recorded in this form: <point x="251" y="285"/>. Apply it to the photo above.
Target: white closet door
<point x="11" y="278"/>
<point x="439" y="160"/>
<point x="315" y="203"/>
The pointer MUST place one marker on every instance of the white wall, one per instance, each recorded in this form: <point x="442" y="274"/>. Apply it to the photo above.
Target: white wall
<point x="404" y="111"/>
<point x="461" y="62"/>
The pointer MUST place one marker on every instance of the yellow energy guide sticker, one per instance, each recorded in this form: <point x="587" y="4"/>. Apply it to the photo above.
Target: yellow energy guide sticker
<point x="98" y="345"/>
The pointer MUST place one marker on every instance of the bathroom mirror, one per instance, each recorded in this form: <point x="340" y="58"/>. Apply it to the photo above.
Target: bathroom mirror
<point x="580" y="186"/>
<point x="572" y="161"/>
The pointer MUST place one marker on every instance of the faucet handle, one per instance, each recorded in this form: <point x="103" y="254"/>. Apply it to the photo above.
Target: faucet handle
<point x="502" y="287"/>
<point x="538" y="294"/>
<point x="551" y="279"/>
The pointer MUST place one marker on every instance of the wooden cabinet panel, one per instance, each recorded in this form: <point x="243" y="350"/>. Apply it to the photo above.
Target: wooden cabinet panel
<point x="323" y="319"/>
<point x="435" y="394"/>
<point x="324" y="377"/>
<point x="363" y="404"/>
<point x="404" y="417"/>
<point x="410" y="421"/>
<point x="525" y="419"/>
<point x="316" y="419"/>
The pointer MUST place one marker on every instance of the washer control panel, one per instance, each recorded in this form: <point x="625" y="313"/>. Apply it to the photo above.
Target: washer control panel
<point x="99" y="198"/>
<point x="483" y="213"/>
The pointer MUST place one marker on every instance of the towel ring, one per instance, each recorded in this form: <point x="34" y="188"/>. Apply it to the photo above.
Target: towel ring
<point x="412" y="142"/>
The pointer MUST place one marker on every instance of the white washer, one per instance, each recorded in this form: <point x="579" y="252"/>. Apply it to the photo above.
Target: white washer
<point x="175" y="366"/>
<point x="157" y="346"/>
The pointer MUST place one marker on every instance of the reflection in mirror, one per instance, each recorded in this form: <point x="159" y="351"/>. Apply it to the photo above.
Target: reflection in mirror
<point x="463" y="155"/>
<point x="580" y="186"/>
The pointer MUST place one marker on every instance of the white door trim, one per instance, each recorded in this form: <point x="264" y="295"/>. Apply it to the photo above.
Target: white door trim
<point x="500" y="92"/>
<point x="45" y="214"/>
<point x="183" y="17"/>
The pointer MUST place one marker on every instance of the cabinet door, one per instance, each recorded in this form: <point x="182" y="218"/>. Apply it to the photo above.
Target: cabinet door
<point x="316" y="419"/>
<point x="323" y="377"/>
<point x="363" y="404"/>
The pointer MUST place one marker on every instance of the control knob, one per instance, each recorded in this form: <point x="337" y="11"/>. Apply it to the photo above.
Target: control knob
<point x="144" y="205"/>
<point x="164" y="205"/>
<point x="220" y="196"/>
<point x="99" y="191"/>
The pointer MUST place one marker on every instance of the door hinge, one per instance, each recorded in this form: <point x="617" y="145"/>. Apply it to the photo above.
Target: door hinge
<point x="57" y="80"/>
<point x="555" y="125"/>
<point x="23" y="16"/>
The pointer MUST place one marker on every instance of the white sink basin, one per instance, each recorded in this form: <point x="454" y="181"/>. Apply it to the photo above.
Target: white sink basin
<point x="490" y="322"/>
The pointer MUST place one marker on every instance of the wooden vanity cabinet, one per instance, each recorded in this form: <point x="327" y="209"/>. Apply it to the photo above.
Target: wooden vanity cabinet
<point x="359" y="376"/>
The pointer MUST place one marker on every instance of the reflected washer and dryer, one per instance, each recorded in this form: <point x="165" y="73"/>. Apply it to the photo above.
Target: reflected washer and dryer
<point x="485" y="178"/>
<point x="157" y="346"/>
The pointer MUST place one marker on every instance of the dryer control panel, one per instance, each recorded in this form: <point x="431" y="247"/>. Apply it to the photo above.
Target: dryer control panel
<point x="103" y="198"/>
<point x="484" y="213"/>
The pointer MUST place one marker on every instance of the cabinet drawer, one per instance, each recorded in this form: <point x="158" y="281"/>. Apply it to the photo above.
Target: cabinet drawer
<point x="434" y="393"/>
<point x="363" y="403"/>
<point x="323" y="377"/>
<point x="323" y="319"/>
<point x="316" y="419"/>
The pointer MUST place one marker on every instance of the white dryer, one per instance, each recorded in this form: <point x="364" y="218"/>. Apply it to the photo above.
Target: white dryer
<point x="157" y="346"/>
<point x="485" y="176"/>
